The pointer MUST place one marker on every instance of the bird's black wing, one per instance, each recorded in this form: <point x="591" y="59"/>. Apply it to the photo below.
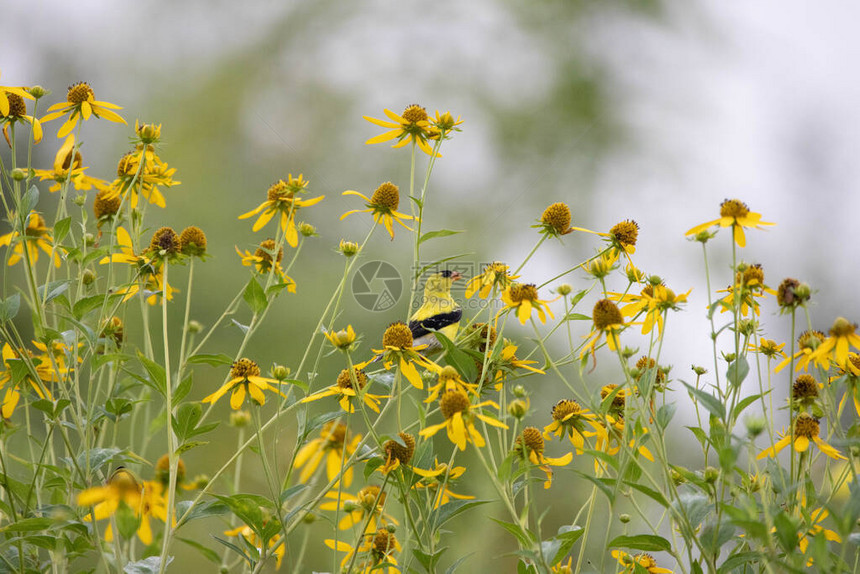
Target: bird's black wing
<point x="434" y="323"/>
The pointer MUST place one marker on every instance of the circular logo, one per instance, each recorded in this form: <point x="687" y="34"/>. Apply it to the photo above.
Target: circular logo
<point x="377" y="286"/>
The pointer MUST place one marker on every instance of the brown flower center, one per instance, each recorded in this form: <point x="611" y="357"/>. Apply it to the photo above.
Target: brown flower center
<point x="192" y="241"/>
<point x="606" y="313"/>
<point x="533" y="440"/>
<point x="414" y="114"/>
<point x="520" y="292"/>
<point x="244" y="368"/>
<point x="386" y="197"/>
<point x="165" y="239"/>
<point x="625" y="232"/>
<point x="79" y="93"/>
<point x="804" y="387"/>
<point x="806" y="426"/>
<point x="785" y="293"/>
<point x="752" y="275"/>
<point x="402" y="452"/>
<point x="106" y="203"/>
<point x="265" y="250"/>
<point x="733" y="208"/>
<point x="452" y="402"/>
<point x="344" y="379"/>
<point x="565" y="407"/>
<point x="557" y="217"/>
<point x="17" y="107"/>
<point x="810" y="339"/>
<point x="334" y="433"/>
<point x="277" y="191"/>
<point x="383" y="542"/>
<point x="618" y="399"/>
<point x="397" y="335"/>
<point x="126" y="165"/>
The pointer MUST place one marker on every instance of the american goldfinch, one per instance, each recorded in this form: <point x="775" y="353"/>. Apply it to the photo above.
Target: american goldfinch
<point x="438" y="311"/>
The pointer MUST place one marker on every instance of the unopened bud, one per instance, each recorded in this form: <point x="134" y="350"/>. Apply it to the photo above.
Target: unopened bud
<point x="518" y="408"/>
<point x="19" y="174"/>
<point x="307" y="230"/>
<point x="348" y="248"/>
<point x="80" y="200"/>
<point x="519" y="391"/>
<point x="624" y="518"/>
<point x="88" y="277"/>
<point x="564" y="289"/>
<point x="240" y="419"/>
<point x="711" y="474"/>
<point x="280" y="372"/>
<point x="38" y="92"/>
<point x="195" y="327"/>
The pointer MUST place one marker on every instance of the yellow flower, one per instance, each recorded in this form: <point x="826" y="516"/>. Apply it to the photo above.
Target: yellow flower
<point x="6" y="91"/>
<point x="806" y="429"/>
<point x="735" y="214"/>
<point x="135" y="179"/>
<point x="507" y="363"/>
<point x="377" y="548"/>
<point x="16" y="111"/>
<point x="245" y="377"/>
<point x="68" y="165"/>
<point x="523" y="297"/>
<point x="653" y="300"/>
<point x="815" y="518"/>
<point x="344" y="389"/>
<point x="123" y="489"/>
<point x="37" y="235"/>
<point x="81" y="103"/>
<point x="555" y="220"/>
<point x="600" y="267"/>
<point x="808" y="341"/>
<point x="383" y="205"/>
<point x="367" y="504"/>
<point x="612" y="432"/>
<point x="330" y="446"/>
<point x="281" y="198"/>
<point x="431" y="483"/>
<point x="459" y="413"/>
<point x="342" y="339"/>
<point x="147" y="272"/>
<point x="632" y="564"/>
<point x="263" y="262"/>
<point x="843" y="336"/>
<point x="749" y="285"/>
<point x="767" y="347"/>
<point x="495" y="275"/>
<point x="443" y="124"/>
<point x="251" y="538"/>
<point x="397" y="348"/>
<point x="449" y="380"/>
<point x="608" y="321"/>
<point x="45" y="374"/>
<point x="530" y="446"/>
<point x="412" y="126"/>
<point x="569" y="418"/>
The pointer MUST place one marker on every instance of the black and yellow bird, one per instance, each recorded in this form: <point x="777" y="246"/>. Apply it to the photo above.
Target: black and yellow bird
<point x="439" y="312"/>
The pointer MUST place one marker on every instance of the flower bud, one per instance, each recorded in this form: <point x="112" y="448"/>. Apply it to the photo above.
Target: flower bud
<point x="518" y="408"/>
<point x="80" y="199"/>
<point x="307" y="230"/>
<point x="711" y="474"/>
<point x="280" y="372"/>
<point x="624" y="518"/>
<point x="564" y="289"/>
<point x="19" y="174"/>
<point x="755" y="425"/>
<point x="38" y="91"/>
<point x="391" y="527"/>
<point x="240" y="419"/>
<point x="88" y="277"/>
<point x="195" y="327"/>
<point x="519" y="391"/>
<point x="348" y="248"/>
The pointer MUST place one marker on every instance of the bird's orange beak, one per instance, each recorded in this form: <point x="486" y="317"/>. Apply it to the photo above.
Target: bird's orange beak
<point x="455" y="275"/>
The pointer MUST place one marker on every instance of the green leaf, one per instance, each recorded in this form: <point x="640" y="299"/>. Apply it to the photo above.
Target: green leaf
<point x="300" y="384"/>
<point x="665" y="414"/>
<point x="786" y="532"/>
<point x="203" y="510"/>
<point x="457" y="358"/>
<point x="54" y="289"/>
<point x="428" y="560"/>
<point x="440" y="233"/>
<point x="186" y="419"/>
<point x="182" y="389"/>
<point x="186" y="446"/>
<point x="28" y="525"/>
<point x="567" y="535"/>
<point x="525" y="538"/>
<point x="739" y="408"/>
<point x="61" y="229"/>
<point x="710" y="402"/>
<point x="742" y="559"/>
<point x="738" y="371"/>
<point x="151" y="565"/>
<point x="645" y="542"/>
<point x="9" y="307"/>
<point x="255" y="297"/>
<point x="30" y="200"/>
<point x="291" y="492"/>
<point x="601" y="484"/>
<point x="576" y="317"/>
<point x="157" y="378"/>
<point x="236" y="549"/>
<point x="89" y="304"/>
<point x="653" y="494"/>
<point x="713" y="538"/>
<point x="451" y="509"/>
<point x="214" y="360"/>
<point x="453" y="567"/>
<point x="98" y="457"/>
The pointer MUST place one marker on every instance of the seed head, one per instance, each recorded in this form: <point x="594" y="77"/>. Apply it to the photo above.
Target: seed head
<point x="452" y="402"/>
<point x="804" y="389"/>
<point x="244" y="368"/>
<point x="164" y="241"/>
<point x="520" y="292"/>
<point x="563" y="408"/>
<point x="807" y="426"/>
<point x="17" y="107"/>
<point x="606" y="313"/>
<point x="383" y="543"/>
<point x="533" y="440"/>
<point x="414" y="114"/>
<point x="556" y="219"/>
<point x="402" y="452"/>
<point x="344" y="379"/>
<point x="397" y="335"/>
<point x="106" y="203"/>
<point x="842" y="327"/>
<point x="386" y="197"/>
<point x="162" y="470"/>
<point x="79" y="93"/>
<point x="625" y="232"/>
<point x="192" y="241"/>
<point x="733" y="208"/>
